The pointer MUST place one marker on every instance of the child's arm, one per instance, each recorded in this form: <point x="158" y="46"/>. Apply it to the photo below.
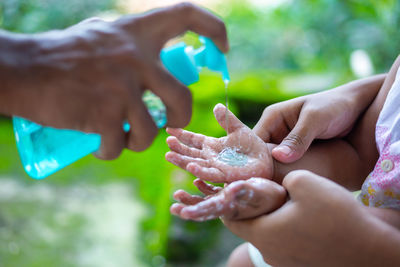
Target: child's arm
<point x="346" y="161"/>
<point x="362" y="137"/>
<point x="295" y="123"/>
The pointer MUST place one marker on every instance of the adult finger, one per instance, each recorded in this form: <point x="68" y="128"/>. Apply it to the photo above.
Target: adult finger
<point x="86" y="22"/>
<point x="143" y="128"/>
<point x="113" y="140"/>
<point x="188" y="138"/>
<point x="300" y="184"/>
<point x="182" y="149"/>
<point x="244" y="229"/>
<point x="109" y="121"/>
<point x="176" y="97"/>
<point x="166" y="23"/>
<point x="269" y="224"/>
<point x="227" y="119"/>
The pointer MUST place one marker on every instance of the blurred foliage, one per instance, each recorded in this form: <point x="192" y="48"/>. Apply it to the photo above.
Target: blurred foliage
<point x="30" y="16"/>
<point x="276" y="53"/>
<point x="312" y="35"/>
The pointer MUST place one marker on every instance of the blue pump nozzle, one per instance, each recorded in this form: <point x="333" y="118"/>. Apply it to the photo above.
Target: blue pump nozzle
<point x="211" y="57"/>
<point x="185" y="63"/>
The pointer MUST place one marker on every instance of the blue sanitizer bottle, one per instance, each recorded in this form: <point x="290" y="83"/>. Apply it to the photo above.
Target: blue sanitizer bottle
<point x="45" y="150"/>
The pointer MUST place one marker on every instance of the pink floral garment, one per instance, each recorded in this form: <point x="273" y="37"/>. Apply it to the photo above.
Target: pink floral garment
<point x="382" y="186"/>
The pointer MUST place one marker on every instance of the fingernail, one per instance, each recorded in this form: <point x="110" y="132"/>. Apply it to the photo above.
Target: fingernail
<point x="284" y="149"/>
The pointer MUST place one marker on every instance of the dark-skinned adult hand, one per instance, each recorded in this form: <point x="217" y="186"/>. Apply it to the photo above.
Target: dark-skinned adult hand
<point x="91" y="76"/>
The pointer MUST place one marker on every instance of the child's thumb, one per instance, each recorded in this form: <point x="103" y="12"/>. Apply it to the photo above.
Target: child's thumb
<point x="295" y="144"/>
<point x="227" y="119"/>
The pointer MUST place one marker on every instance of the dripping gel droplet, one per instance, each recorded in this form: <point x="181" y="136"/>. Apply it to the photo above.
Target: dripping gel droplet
<point x="226" y="82"/>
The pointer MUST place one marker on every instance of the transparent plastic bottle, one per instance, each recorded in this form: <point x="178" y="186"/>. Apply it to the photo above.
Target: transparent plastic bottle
<point x="45" y="150"/>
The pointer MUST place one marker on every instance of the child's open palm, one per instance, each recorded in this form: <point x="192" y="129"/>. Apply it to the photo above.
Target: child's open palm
<point x="198" y="154"/>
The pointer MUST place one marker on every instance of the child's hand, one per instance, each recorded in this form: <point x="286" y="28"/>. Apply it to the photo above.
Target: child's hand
<point x="198" y="154"/>
<point x="295" y="123"/>
<point x="238" y="200"/>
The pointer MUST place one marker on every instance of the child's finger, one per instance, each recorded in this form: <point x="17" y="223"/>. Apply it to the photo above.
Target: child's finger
<point x="206" y="173"/>
<point x="176" y="208"/>
<point x="180" y="148"/>
<point x="232" y="203"/>
<point x="233" y="122"/>
<point x="251" y="169"/>
<point x="208" y="209"/>
<point x="188" y="138"/>
<point x="182" y="161"/>
<point x="187" y="198"/>
<point x="205" y="188"/>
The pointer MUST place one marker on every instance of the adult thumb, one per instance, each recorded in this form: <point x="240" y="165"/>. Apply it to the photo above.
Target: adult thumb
<point x="306" y="185"/>
<point x="296" y="143"/>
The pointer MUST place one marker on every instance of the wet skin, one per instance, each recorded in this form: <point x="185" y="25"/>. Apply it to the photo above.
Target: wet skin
<point x="198" y="154"/>
<point x="242" y="197"/>
<point x="238" y="200"/>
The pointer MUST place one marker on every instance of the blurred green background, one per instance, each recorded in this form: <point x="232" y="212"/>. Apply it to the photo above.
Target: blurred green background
<point x="96" y="213"/>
